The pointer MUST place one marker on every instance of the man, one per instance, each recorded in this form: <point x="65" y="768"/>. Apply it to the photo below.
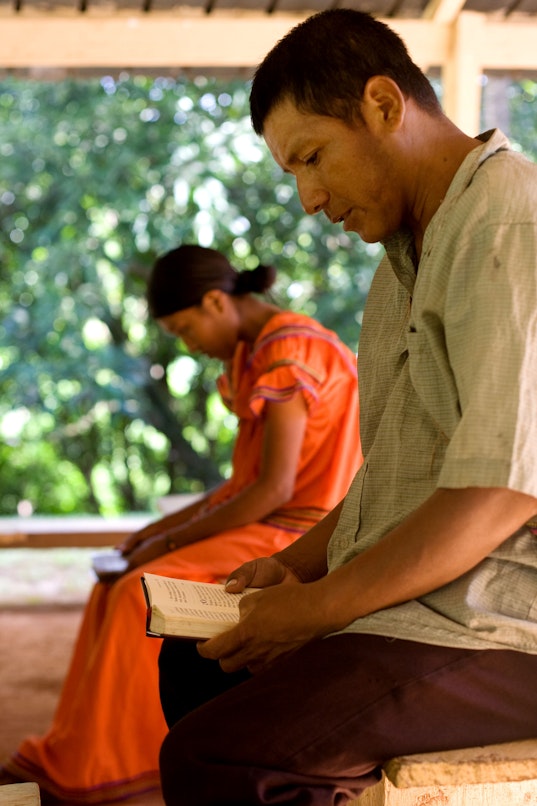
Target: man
<point x="406" y="621"/>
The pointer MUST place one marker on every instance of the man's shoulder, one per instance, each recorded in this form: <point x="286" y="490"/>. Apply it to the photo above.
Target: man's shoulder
<point x="499" y="157"/>
<point x="507" y="183"/>
<point x="500" y="188"/>
<point x="507" y="160"/>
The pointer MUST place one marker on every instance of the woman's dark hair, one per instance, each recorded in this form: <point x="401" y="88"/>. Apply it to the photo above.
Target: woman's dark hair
<point x="181" y="277"/>
<point x="323" y="64"/>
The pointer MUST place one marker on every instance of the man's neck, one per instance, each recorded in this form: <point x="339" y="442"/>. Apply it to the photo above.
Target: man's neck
<point x="439" y="150"/>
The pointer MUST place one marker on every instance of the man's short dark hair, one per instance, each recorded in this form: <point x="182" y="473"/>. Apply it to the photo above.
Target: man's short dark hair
<point x="323" y="64"/>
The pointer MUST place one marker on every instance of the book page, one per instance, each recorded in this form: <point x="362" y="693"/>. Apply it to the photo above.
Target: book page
<point x="189" y="597"/>
<point x="185" y="607"/>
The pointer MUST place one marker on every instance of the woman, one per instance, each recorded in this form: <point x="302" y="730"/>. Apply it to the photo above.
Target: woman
<point x="292" y="385"/>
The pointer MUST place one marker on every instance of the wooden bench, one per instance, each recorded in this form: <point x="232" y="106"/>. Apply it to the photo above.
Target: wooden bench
<point x="492" y="775"/>
<point x="19" y="795"/>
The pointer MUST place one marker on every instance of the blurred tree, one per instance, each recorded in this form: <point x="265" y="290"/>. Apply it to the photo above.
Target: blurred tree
<point x="522" y="105"/>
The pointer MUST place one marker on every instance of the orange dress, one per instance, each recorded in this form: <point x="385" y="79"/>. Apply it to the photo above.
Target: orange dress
<point x="106" y="734"/>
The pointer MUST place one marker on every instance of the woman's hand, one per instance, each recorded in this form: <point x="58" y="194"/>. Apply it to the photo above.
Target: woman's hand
<point x="140" y="537"/>
<point x="163" y="526"/>
<point x="145" y="551"/>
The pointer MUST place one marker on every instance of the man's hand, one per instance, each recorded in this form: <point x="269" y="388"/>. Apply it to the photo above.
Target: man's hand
<point x="261" y="573"/>
<point x="278" y="619"/>
<point x="274" y="621"/>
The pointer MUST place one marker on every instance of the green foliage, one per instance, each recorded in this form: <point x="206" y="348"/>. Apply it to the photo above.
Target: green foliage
<point x="523" y="116"/>
<point x="100" y="412"/>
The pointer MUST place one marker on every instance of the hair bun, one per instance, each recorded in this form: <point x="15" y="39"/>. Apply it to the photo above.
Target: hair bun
<point x="255" y="280"/>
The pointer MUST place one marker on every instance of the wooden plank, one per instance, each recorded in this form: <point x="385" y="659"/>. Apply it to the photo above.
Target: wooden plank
<point x="443" y="10"/>
<point x="462" y="72"/>
<point x="500" y="794"/>
<point x="58" y="539"/>
<point x="171" y="40"/>
<point x="20" y="795"/>
<point x="490" y="775"/>
<point x="178" y="40"/>
<point x="128" y="40"/>
<point x="495" y="763"/>
<point x="47" y="532"/>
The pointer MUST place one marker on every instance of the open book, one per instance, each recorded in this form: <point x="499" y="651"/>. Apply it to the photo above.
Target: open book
<point x="186" y="609"/>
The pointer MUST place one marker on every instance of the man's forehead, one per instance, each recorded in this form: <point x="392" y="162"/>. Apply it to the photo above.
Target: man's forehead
<point x="285" y="132"/>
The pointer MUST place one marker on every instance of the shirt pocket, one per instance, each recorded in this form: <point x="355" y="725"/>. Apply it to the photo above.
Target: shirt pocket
<point x="433" y="380"/>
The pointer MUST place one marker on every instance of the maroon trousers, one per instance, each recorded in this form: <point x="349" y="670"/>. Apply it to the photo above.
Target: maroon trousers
<point x="315" y="728"/>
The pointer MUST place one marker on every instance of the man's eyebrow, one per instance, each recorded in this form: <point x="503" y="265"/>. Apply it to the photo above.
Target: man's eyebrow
<point x="291" y="160"/>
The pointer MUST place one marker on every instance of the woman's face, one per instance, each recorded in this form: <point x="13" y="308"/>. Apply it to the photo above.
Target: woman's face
<point x="210" y="327"/>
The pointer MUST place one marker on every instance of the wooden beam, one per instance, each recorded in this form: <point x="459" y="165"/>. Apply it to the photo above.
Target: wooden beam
<point x="443" y="10"/>
<point x="176" y="40"/>
<point x="427" y="41"/>
<point x="62" y="539"/>
<point x="462" y="71"/>
<point x="170" y="40"/>
<point x="123" y="40"/>
<point x="510" y="45"/>
<point x="499" y="44"/>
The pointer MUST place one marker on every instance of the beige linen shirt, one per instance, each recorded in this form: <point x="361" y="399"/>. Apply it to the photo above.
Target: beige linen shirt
<point x="448" y="397"/>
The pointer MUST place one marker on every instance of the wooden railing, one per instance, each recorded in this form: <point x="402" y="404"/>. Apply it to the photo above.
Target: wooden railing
<point x="44" y="531"/>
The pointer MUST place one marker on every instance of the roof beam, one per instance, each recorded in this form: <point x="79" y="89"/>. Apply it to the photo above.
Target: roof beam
<point x="443" y="10"/>
<point x="179" y="40"/>
<point x="170" y="39"/>
<point x="126" y="40"/>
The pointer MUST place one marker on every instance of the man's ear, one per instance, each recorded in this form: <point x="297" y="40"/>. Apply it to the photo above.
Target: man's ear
<point x="383" y="103"/>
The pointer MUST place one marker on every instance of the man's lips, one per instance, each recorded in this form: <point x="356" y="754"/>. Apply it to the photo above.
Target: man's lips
<point x="337" y="219"/>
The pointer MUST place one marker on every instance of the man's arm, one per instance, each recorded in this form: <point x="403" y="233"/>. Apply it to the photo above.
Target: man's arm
<point x="449" y="534"/>
<point x="446" y="536"/>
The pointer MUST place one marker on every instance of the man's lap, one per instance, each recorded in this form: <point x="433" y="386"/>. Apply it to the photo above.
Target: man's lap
<point x="339" y="707"/>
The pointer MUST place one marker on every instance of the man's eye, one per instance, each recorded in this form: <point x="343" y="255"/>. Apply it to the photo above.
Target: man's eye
<point x="312" y="159"/>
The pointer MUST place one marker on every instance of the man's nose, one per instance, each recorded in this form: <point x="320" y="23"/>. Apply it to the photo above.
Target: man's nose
<point x="312" y="198"/>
